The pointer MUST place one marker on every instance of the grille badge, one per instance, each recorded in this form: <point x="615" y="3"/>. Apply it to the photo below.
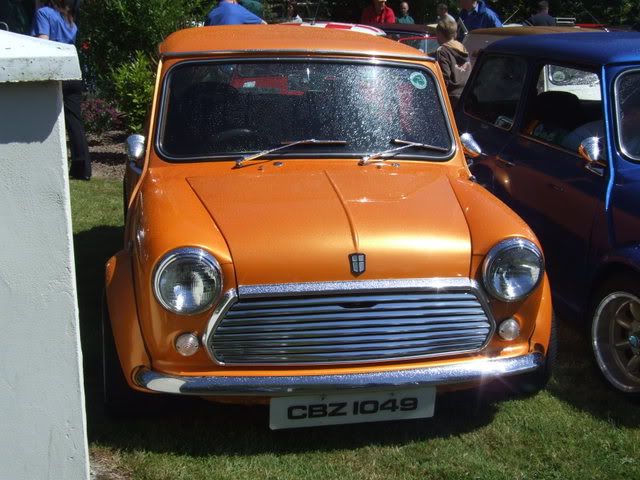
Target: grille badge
<point x="358" y="263"/>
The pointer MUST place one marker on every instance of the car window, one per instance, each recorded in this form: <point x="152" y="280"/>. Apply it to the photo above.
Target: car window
<point x="566" y="107"/>
<point x="627" y="93"/>
<point x="214" y="108"/>
<point x="424" y="44"/>
<point x="584" y="84"/>
<point x="496" y="90"/>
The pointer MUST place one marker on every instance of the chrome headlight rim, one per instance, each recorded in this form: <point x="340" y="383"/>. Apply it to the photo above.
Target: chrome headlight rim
<point x="198" y="254"/>
<point x="501" y="247"/>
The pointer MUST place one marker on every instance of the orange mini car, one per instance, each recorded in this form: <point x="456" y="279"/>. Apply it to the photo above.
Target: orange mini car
<point x="303" y="229"/>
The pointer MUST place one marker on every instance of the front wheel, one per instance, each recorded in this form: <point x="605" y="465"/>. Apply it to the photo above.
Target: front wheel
<point x="615" y="332"/>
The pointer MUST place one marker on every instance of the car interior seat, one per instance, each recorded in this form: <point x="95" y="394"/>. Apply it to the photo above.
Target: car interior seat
<point x="195" y="116"/>
<point x="554" y="115"/>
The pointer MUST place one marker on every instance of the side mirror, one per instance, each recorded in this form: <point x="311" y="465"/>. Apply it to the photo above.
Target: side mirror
<point x="470" y="146"/>
<point x="135" y="148"/>
<point x="591" y="149"/>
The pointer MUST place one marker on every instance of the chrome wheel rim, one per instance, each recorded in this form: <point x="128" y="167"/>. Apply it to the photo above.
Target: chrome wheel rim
<point x="615" y="337"/>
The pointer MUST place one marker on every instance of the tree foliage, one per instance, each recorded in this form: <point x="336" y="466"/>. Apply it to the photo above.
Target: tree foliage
<point x="133" y="87"/>
<point x="111" y="31"/>
<point x="118" y="42"/>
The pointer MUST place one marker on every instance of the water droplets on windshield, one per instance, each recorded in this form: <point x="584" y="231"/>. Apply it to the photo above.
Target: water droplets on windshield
<point x="215" y="108"/>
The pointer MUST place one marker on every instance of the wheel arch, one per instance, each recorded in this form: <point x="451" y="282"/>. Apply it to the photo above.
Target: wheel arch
<point x="123" y="317"/>
<point x="623" y="262"/>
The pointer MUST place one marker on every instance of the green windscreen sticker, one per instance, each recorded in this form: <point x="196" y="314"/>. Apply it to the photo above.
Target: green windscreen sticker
<point x="418" y="80"/>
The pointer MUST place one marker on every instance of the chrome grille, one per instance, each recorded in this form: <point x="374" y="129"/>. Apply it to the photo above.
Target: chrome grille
<point x="355" y="327"/>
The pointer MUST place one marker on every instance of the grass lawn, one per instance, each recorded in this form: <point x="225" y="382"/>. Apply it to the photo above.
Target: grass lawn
<point x="577" y="428"/>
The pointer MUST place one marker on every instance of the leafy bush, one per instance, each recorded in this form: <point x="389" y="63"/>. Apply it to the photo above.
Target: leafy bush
<point x="133" y="84"/>
<point x="100" y="116"/>
<point x="114" y="30"/>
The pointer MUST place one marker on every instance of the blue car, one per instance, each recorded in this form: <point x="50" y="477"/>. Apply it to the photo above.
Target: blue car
<point x="557" y="122"/>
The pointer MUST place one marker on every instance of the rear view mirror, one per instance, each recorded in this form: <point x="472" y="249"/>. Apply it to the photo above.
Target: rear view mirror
<point x="591" y="149"/>
<point x="135" y="148"/>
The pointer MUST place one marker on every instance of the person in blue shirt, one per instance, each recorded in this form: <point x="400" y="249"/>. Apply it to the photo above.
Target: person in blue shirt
<point x="476" y="14"/>
<point x="229" y="12"/>
<point x="55" y="22"/>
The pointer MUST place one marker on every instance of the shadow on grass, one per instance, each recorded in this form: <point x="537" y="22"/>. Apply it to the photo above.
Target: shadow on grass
<point x="92" y="250"/>
<point x="198" y="428"/>
<point x="578" y="382"/>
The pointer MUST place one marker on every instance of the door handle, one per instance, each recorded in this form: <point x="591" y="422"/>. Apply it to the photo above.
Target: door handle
<point x="596" y="168"/>
<point x="555" y="187"/>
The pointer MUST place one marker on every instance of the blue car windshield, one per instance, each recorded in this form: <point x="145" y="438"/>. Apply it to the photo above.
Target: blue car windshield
<point x="214" y="109"/>
<point x="628" y="107"/>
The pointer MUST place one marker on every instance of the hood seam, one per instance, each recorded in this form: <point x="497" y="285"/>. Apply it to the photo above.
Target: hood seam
<point x="354" y="232"/>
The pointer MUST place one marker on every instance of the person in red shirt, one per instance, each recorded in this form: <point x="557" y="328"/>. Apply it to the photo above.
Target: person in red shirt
<point x="378" y="12"/>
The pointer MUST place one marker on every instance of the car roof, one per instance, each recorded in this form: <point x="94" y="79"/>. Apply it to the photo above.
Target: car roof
<point x="281" y="38"/>
<point x="405" y="28"/>
<point x="522" y="30"/>
<point x="594" y="48"/>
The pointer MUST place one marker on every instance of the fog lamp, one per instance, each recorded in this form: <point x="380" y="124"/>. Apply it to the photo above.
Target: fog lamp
<point x="509" y="329"/>
<point x="187" y="344"/>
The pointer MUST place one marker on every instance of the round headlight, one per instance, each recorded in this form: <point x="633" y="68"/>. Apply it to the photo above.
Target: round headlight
<point x="187" y="281"/>
<point x="513" y="268"/>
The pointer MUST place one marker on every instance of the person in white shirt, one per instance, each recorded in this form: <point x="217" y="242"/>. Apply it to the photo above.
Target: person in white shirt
<point x="443" y="12"/>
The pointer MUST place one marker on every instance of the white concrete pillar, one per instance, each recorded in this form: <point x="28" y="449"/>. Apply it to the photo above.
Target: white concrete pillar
<point x="42" y="415"/>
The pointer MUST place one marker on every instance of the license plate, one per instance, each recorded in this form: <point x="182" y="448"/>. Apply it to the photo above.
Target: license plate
<point x="333" y="409"/>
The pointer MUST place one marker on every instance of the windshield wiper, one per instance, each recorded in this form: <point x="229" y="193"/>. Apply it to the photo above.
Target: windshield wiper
<point x="392" y="151"/>
<point x="284" y="145"/>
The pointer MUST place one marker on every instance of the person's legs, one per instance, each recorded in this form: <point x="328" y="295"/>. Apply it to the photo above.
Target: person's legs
<point x="80" y="159"/>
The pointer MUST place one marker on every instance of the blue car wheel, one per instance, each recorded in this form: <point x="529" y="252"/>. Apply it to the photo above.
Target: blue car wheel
<point x="615" y="333"/>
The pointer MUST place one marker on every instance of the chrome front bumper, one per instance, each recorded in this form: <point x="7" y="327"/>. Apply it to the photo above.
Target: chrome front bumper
<point x="276" y="386"/>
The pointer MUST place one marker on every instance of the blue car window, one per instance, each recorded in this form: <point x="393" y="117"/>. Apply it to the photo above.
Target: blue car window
<point x="627" y="93"/>
<point x="497" y="90"/>
<point x="566" y="108"/>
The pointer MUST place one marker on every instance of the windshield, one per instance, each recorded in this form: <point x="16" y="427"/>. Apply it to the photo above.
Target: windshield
<point x="628" y="107"/>
<point x="213" y="109"/>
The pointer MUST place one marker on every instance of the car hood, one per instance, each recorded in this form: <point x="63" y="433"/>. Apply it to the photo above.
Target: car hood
<point x="287" y="225"/>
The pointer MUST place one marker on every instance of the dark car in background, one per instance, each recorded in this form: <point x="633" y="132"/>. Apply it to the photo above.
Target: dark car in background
<point x="556" y="118"/>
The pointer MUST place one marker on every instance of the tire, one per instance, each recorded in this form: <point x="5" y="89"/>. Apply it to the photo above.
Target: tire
<point x="615" y="332"/>
<point x="118" y="397"/>
<point x="532" y="382"/>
